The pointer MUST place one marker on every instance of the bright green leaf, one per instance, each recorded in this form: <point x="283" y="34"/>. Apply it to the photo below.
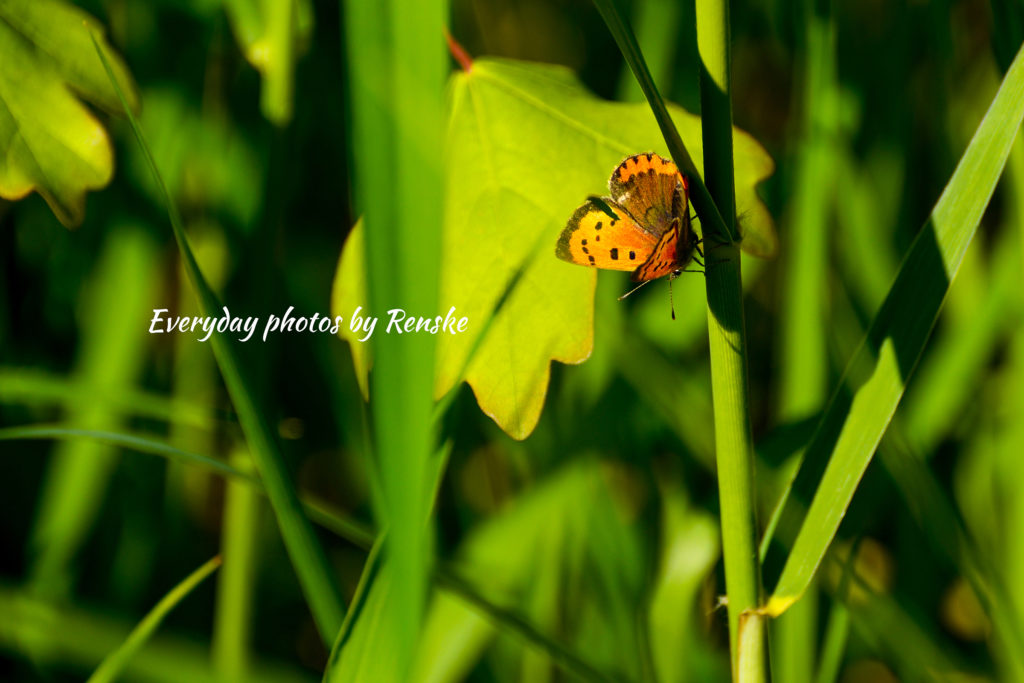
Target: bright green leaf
<point x="49" y="141"/>
<point x="527" y="144"/>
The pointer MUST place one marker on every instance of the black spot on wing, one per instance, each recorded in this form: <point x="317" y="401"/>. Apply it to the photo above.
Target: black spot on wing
<point x="614" y="253"/>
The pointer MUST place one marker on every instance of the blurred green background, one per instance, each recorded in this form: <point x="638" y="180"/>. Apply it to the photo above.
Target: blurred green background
<point x="599" y="531"/>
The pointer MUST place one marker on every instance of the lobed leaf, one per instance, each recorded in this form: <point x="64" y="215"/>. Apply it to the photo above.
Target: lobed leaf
<point x="527" y="143"/>
<point x="49" y="141"/>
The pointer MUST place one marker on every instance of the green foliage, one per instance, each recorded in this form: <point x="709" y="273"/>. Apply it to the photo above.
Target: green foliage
<point x="595" y="548"/>
<point x="49" y="141"/>
<point x="526" y="144"/>
<point x="854" y="422"/>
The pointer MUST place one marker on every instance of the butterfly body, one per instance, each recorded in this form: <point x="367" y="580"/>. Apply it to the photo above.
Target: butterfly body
<point x="643" y="227"/>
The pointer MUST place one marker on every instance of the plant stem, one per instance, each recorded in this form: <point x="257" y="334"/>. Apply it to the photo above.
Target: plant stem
<point x="727" y="337"/>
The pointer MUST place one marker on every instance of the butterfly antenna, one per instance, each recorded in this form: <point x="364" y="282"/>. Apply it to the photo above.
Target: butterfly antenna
<point x="634" y="289"/>
<point x="671" y="303"/>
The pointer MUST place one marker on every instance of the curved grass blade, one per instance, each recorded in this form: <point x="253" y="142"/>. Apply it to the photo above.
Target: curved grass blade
<point x="876" y="377"/>
<point x="38" y="387"/>
<point x="112" y="666"/>
<point x="318" y="582"/>
<point x="138" y="443"/>
<point x="319" y="513"/>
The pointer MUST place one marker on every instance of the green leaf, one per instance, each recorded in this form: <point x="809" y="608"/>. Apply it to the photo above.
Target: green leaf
<point x="113" y="665"/>
<point x="527" y="143"/>
<point x="859" y="414"/>
<point x="272" y="35"/>
<point x="49" y="140"/>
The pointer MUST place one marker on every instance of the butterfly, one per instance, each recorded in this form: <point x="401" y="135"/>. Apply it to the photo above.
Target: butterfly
<point x="643" y="227"/>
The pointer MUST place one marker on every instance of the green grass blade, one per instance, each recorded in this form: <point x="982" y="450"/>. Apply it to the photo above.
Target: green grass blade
<point x="31" y="386"/>
<point x="371" y="569"/>
<point x="111" y="357"/>
<point x="114" y="664"/>
<point x="142" y="444"/>
<point x="279" y="74"/>
<point x="711" y="218"/>
<point x="657" y="23"/>
<point x="397" y="68"/>
<point x="75" y="640"/>
<point x="803" y="354"/>
<point x="321" y="514"/>
<point x="236" y="584"/>
<point x="804" y="362"/>
<point x="833" y="644"/>
<point x="853" y="424"/>
<point x="452" y="586"/>
<point x="318" y="582"/>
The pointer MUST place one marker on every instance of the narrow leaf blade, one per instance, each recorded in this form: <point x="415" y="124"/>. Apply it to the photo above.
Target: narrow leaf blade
<point x="856" y="419"/>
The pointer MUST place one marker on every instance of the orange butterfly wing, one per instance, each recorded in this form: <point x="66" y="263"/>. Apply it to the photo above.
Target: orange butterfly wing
<point x="651" y="189"/>
<point x="602" y="234"/>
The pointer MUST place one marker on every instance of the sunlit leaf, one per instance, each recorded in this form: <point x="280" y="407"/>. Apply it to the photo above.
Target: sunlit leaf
<point x="49" y="141"/>
<point x="527" y="144"/>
